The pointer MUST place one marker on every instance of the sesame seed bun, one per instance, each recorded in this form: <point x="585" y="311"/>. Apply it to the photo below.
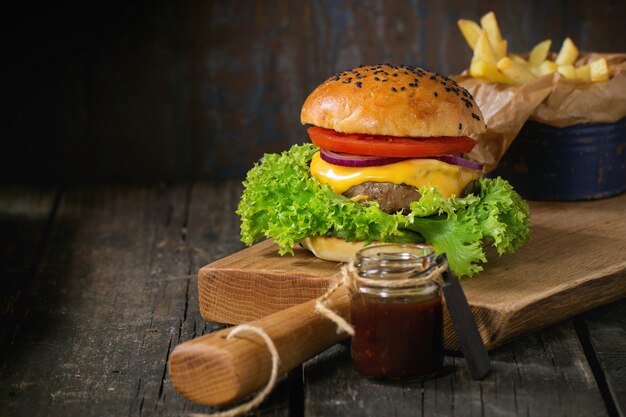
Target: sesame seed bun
<point x="393" y="100"/>
<point x="333" y="248"/>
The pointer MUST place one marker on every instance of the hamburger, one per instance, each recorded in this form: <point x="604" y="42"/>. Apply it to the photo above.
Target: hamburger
<point x="386" y="163"/>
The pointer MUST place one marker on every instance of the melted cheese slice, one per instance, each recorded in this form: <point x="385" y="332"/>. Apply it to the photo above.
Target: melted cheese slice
<point x="448" y="179"/>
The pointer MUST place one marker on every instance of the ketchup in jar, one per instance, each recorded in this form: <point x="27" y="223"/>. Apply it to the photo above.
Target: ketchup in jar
<point x="396" y="311"/>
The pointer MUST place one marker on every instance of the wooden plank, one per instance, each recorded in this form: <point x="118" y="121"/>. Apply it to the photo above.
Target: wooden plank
<point x="258" y="281"/>
<point x="541" y="374"/>
<point x="605" y="329"/>
<point x="573" y="262"/>
<point x="111" y="294"/>
<point x="115" y="291"/>
<point x="25" y="218"/>
<point x="210" y="230"/>
<point x="87" y="307"/>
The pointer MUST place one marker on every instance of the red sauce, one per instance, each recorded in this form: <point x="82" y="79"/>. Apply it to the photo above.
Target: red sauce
<point x="396" y="340"/>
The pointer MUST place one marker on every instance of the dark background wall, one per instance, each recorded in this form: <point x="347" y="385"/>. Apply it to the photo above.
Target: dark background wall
<point x="167" y="90"/>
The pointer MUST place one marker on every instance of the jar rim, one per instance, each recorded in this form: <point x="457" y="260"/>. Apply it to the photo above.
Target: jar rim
<point x="397" y="252"/>
<point x="396" y="265"/>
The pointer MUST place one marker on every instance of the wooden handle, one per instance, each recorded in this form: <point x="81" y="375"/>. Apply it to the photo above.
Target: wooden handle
<point x="212" y="370"/>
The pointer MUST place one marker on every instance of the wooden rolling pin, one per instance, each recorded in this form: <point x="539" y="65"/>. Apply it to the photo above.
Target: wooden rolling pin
<point x="212" y="370"/>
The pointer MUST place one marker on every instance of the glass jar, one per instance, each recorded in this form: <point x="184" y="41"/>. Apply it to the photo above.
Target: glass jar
<point x="396" y="311"/>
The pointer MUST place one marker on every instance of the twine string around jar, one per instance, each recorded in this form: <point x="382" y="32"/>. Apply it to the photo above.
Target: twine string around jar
<point x="348" y="278"/>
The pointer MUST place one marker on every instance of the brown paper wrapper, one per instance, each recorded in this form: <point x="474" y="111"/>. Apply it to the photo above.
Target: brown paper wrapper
<point x="552" y="100"/>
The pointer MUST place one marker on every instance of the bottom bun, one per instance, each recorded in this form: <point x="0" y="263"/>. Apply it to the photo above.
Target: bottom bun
<point x="333" y="248"/>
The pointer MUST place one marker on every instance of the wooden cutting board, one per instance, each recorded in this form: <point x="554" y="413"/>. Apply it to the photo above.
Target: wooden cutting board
<point x="575" y="261"/>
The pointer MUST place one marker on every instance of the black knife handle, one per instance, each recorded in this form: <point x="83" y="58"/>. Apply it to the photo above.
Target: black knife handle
<point x="467" y="333"/>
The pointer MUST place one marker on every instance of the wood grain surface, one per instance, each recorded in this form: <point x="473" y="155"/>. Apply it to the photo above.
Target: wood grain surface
<point x="603" y="335"/>
<point x="574" y="261"/>
<point x="25" y="220"/>
<point x="112" y="292"/>
<point x="104" y="281"/>
<point x="215" y="370"/>
<point x="557" y="383"/>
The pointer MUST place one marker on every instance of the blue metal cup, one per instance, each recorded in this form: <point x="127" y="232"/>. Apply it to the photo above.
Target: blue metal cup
<point x="579" y="162"/>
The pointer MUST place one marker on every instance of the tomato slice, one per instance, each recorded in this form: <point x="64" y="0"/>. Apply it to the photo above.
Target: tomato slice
<point x="391" y="146"/>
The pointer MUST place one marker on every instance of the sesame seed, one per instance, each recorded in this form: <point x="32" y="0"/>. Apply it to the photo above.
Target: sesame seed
<point x="402" y="88"/>
<point x="358" y="84"/>
<point x="460" y="126"/>
<point x="435" y="93"/>
<point x="394" y="89"/>
<point x="475" y="116"/>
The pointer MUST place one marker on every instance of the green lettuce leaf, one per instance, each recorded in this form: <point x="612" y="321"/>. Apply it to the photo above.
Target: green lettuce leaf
<point x="461" y="227"/>
<point x="282" y="201"/>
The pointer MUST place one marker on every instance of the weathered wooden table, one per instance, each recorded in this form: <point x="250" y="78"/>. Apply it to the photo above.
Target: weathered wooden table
<point x="99" y="284"/>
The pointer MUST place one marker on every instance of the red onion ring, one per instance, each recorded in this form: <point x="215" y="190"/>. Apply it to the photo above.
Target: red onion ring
<point x="351" y="160"/>
<point x="462" y="162"/>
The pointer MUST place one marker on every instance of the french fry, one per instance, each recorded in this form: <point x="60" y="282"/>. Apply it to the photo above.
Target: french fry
<point x="568" y="71"/>
<point x="518" y="59"/>
<point x="483" y="50"/>
<point x="515" y="71"/>
<point x="547" y="67"/>
<point x="599" y="70"/>
<point x="583" y="73"/>
<point x="493" y="62"/>
<point x="499" y="50"/>
<point x="539" y="53"/>
<point x="489" y="72"/>
<point x="568" y="53"/>
<point x="470" y="30"/>
<point x="490" y="25"/>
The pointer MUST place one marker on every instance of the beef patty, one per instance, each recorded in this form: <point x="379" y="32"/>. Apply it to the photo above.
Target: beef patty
<point x="392" y="198"/>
